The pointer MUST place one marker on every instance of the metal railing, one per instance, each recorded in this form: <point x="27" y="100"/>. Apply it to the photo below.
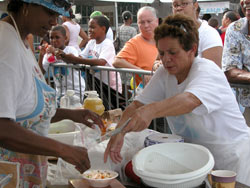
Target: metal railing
<point x="89" y="71"/>
<point x="237" y="88"/>
<point x="127" y="95"/>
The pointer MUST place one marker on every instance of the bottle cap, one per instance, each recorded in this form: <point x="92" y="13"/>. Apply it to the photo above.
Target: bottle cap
<point x="70" y="93"/>
<point x="91" y="93"/>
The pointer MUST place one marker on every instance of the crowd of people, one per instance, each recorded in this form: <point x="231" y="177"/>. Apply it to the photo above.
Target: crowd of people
<point x="190" y="86"/>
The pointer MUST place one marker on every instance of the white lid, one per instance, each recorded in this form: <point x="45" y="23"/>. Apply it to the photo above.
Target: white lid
<point x="163" y="138"/>
<point x="70" y="93"/>
<point x="91" y="93"/>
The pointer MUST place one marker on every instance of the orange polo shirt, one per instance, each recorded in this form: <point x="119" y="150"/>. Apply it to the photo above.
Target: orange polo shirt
<point x="140" y="53"/>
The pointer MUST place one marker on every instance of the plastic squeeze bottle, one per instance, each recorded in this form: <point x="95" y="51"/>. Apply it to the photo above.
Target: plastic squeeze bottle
<point x="93" y="102"/>
<point x="70" y="100"/>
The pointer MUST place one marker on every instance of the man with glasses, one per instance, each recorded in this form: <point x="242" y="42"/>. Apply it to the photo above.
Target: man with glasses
<point x="140" y="52"/>
<point x="210" y="44"/>
<point x="236" y="56"/>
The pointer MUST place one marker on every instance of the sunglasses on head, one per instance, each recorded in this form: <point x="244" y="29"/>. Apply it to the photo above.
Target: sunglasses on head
<point x="62" y="4"/>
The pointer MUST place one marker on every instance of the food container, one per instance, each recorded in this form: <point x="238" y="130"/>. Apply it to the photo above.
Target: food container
<point x="159" y="138"/>
<point x="99" y="178"/>
<point x="174" y="165"/>
<point x="64" y="131"/>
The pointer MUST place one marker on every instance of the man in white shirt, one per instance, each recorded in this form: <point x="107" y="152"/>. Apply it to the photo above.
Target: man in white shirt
<point x="210" y="44"/>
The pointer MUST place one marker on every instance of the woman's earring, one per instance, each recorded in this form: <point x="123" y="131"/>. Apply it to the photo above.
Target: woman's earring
<point x="25" y="12"/>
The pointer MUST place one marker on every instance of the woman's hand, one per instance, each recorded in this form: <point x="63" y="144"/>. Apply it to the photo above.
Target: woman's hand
<point x="114" y="148"/>
<point x="77" y="156"/>
<point x="140" y="120"/>
<point x="86" y="117"/>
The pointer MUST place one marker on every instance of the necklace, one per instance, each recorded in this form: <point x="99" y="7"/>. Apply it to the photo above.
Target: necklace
<point x="25" y="42"/>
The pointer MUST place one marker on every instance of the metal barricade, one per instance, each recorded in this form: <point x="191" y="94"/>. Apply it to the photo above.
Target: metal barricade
<point x="127" y="95"/>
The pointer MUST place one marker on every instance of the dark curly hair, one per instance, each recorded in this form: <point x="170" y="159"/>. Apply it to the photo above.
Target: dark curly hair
<point x="14" y="5"/>
<point x="102" y="21"/>
<point x="180" y="27"/>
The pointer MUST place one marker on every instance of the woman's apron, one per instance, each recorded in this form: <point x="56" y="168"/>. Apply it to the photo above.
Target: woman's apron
<point x="33" y="168"/>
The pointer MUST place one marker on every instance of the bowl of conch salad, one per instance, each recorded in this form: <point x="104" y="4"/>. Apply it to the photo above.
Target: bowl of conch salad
<point x="99" y="178"/>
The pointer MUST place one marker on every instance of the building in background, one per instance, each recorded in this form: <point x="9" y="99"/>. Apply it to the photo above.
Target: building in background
<point x="110" y="8"/>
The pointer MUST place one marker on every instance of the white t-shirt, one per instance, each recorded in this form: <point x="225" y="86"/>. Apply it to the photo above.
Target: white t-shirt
<point x="105" y="50"/>
<point x="17" y="96"/>
<point x="110" y="34"/>
<point x="60" y="75"/>
<point x="217" y="123"/>
<point x="219" y="112"/>
<point x="208" y="37"/>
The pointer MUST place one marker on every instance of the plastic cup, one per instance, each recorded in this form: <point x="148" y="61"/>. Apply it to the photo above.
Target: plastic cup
<point x="51" y="58"/>
<point x="223" y="178"/>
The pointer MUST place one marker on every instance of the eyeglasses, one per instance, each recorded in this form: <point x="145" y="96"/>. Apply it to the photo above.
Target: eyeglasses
<point x="182" y="5"/>
<point x="145" y="21"/>
<point x="62" y="4"/>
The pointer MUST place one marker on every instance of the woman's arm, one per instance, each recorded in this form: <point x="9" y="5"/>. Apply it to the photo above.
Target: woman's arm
<point x="214" y="54"/>
<point x="142" y="115"/>
<point x="30" y="40"/>
<point x="18" y="139"/>
<point x="84" y="37"/>
<point x="41" y="56"/>
<point x="177" y="105"/>
<point x="236" y="75"/>
<point x="116" y="142"/>
<point x="79" y="116"/>
<point x="67" y="35"/>
<point x="122" y="63"/>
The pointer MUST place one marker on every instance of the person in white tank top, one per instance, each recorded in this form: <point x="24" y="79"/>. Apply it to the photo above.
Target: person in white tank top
<point x="73" y="31"/>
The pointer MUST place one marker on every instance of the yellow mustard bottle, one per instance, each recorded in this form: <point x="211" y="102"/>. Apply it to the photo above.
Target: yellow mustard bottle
<point x="93" y="102"/>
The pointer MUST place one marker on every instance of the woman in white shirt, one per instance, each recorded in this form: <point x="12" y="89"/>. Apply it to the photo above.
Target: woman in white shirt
<point x="195" y="97"/>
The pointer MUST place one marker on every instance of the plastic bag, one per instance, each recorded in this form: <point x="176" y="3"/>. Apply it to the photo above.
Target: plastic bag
<point x="62" y="171"/>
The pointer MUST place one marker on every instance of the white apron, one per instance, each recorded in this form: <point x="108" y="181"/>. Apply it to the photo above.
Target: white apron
<point x="33" y="168"/>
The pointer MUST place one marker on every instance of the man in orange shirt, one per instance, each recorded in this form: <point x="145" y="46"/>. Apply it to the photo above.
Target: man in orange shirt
<point x="140" y="52"/>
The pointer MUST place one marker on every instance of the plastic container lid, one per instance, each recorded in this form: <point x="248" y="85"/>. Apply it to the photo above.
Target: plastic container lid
<point x="159" y="138"/>
<point x="91" y="93"/>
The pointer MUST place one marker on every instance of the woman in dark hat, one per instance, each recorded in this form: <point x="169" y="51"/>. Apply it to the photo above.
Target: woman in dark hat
<point x="28" y="104"/>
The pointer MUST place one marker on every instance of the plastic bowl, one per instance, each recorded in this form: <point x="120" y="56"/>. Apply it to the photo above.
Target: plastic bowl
<point x="64" y="131"/>
<point x="173" y="164"/>
<point x="185" y="183"/>
<point x="98" y="181"/>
